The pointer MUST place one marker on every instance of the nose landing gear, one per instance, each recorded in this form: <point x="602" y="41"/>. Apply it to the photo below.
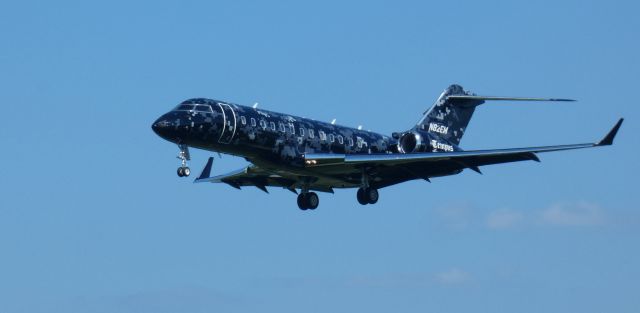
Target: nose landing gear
<point x="184" y="171"/>
<point x="184" y="156"/>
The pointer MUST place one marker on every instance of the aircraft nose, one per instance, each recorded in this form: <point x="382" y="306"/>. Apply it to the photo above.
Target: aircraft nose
<point x="159" y="125"/>
<point x="162" y="127"/>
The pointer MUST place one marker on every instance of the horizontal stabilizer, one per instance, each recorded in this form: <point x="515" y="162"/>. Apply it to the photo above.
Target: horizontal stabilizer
<point x="483" y="98"/>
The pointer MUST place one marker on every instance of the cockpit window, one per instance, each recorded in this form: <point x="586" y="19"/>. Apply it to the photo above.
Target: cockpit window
<point x="185" y="107"/>
<point x="203" y="108"/>
<point x="195" y="101"/>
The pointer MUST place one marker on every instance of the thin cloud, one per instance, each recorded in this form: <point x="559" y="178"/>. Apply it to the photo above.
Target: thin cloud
<point x="453" y="276"/>
<point x="456" y="217"/>
<point x="573" y="214"/>
<point x="504" y="218"/>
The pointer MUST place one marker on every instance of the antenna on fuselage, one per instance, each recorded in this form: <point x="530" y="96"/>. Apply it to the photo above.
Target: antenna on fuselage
<point x="333" y="122"/>
<point x="255" y="105"/>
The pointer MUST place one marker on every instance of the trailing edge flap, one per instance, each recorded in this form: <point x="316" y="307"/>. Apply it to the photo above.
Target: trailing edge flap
<point x="248" y="176"/>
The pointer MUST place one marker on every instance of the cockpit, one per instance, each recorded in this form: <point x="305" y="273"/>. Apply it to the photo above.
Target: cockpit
<point x="197" y="105"/>
<point x="194" y="107"/>
<point x="194" y="119"/>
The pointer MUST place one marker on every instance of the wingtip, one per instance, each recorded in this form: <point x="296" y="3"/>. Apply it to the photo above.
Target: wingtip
<point x="608" y="139"/>
<point x="206" y="171"/>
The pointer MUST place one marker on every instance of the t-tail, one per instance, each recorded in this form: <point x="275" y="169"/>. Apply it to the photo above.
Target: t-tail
<point x="449" y="116"/>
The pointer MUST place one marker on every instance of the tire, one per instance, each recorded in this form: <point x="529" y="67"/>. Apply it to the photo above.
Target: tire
<point x="180" y="173"/>
<point x="302" y="202"/>
<point x="186" y="171"/>
<point x="372" y="195"/>
<point x="361" y="197"/>
<point x="312" y="200"/>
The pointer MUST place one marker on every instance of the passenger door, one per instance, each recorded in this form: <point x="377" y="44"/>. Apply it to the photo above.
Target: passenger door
<point x="229" y="129"/>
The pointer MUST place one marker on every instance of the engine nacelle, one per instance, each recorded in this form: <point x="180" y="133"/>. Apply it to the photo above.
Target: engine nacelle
<point x="411" y="142"/>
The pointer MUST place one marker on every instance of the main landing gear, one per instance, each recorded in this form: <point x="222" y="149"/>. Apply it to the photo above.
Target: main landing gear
<point x="184" y="156"/>
<point x="308" y="200"/>
<point x="367" y="195"/>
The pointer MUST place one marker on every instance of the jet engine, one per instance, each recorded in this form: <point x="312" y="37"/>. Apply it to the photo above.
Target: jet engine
<point x="411" y="142"/>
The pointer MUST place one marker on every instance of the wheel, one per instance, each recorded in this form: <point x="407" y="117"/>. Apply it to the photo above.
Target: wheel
<point x="312" y="200"/>
<point x="186" y="171"/>
<point x="302" y="201"/>
<point x="180" y="172"/>
<point x="372" y="195"/>
<point x="361" y="197"/>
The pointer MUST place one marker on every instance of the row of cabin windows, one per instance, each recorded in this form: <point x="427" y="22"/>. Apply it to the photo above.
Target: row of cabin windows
<point x="291" y="128"/>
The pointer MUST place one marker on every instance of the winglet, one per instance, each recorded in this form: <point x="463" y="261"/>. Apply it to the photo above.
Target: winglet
<point x="608" y="139"/>
<point x="206" y="171"/>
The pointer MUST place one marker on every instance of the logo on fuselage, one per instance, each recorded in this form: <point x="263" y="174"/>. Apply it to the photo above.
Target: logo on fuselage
<point x="441" y="146"/>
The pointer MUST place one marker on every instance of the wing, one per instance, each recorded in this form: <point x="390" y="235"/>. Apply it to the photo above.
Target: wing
<point x="323" y="172"/>
<point x="260" y="178"/>
<point x="412" y="164"/>
<point x="248" y="176"/>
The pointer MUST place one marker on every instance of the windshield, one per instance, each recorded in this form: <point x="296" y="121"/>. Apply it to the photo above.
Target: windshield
<point x="184" y="107"/>
<point x="190" y="107"/>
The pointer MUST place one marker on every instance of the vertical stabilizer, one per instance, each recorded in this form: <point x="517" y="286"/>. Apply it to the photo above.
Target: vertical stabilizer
<point x="448" y="118"/>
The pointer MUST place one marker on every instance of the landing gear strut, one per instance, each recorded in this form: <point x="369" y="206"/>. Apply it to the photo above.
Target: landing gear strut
<point x="184" y="156"/>
<point x="367" y="194"/>
<point x="308" y="200"/>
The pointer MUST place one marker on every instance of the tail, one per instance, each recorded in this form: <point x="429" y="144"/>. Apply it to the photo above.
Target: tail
<point x="449" y="116"/>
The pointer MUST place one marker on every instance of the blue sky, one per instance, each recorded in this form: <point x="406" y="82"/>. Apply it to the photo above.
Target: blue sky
<point x="94" y="219"/>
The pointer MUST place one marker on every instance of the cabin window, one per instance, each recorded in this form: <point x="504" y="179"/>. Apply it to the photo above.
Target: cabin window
<point x="281" y="127"/>
<point x="332" y="138"/>
<point x="360" y="142"/>
<point x="253" y="122"/>
<point x="302" y="131"/>
<point x="322" y="135"/>
<point x="350" y="141"/>
<point x="273" y="126"/>
<point x="292" y="129"/>
<point x="263" y="124"/>
<point x="340" y="139"/>
<point x="243" y="120"/>
<point x="311" y="135"/>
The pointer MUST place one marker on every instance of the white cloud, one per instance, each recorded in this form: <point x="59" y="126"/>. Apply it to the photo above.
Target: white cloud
<point x="504" y="218"/>
<point x="454" y="276"/>
<point x="573" y="214"/>
<point x="457" y="217"/>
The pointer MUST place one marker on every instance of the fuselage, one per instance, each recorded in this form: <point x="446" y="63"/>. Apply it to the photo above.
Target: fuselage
<point x="254" y="133"/>
<point x="271" y="139"/>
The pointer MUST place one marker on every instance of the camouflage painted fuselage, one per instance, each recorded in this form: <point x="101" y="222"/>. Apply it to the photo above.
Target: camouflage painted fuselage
<point x="278" y="142"/>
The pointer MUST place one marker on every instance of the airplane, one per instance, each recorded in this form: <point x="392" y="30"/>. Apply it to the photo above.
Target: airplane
<point x="303" y="154"/>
